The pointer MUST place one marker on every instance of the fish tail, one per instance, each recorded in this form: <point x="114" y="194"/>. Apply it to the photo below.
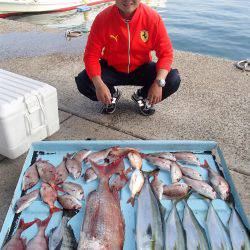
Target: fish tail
<point x="205" y="165"/>
<point x="108" y="170"/>
<point x="22" y="225"/>
<point x="132" y="201"/>
<point x="154" y="172"/>
<point x="54" y="210"/>
<point x="45" y="222"/>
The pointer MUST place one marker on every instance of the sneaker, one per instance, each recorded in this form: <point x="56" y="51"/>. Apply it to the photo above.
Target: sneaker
<point x="110" y="108"/>
<point x="144" y="107"/>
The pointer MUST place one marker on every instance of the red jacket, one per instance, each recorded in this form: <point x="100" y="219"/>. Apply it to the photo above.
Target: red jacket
<point x="127" y="45"/>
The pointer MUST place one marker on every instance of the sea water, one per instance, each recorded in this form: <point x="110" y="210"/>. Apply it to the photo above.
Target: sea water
<point x="218" y="28"/>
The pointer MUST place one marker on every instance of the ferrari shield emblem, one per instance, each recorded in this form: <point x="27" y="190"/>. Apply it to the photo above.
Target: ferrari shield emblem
<point x="144" y="36"/>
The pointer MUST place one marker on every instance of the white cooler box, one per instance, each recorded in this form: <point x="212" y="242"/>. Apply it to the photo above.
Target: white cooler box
<point x="28" y="113"/>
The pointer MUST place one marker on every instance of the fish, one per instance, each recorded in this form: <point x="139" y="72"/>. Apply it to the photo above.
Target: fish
<point x="238" y="233"/>
<point x="74" y="167"/>
<point x="17" y="242"/>
<point x="25" y="201"/>
<point x="163" y="155"/>
<point x="218" y="182"/>
<point x="195" y="236"/>
<point x="62" y="237"/>
<point x="161" y="163"/>
<point x="149" y="223"/>
<point x="103" y="225"/>
<point x="90" y="175"/>
<point x="135" y="185"/>
<point x="100" y="155"/>
<point x="46" y="170"/>
<point x="121" y="179"/>
<point x="218" y="236"/>
<point x="157" y="185"/>
<point x="39" y="242"/>
<point x="49" y="196"/>
<point x="82" y="154"/>
<point x="135" y="159"/>
<point x="61" y="172"/>
<point x="174" y="232"/>
<point x="201" y="187"/>
<point x="175" y="172"/>
<point x="175" y="191"/>
<point x="68" y="201"/>
<point x="118" y="152"/>
<point x="30" y="177"/>
<point x="74" y="189"/>
<point x="187" y="157"/>
<point x="190" y="173"/>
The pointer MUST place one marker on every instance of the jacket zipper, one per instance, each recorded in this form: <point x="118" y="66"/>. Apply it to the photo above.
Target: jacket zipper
<point x="127" y="23"/>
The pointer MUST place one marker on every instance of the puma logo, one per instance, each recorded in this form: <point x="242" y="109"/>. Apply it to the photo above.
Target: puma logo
<point x="114" y="37"/>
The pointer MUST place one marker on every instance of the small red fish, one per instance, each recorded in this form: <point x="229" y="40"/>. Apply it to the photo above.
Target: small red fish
<point x="30" y="177"/>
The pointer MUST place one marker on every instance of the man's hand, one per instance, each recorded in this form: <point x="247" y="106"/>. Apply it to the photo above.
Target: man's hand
<point x="102" y="91"/>
<point x="154" y="94"/>
<point x="103" y="94"/>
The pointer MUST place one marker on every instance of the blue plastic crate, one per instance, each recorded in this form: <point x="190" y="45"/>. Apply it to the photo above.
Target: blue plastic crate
<point x="54" y="152"/>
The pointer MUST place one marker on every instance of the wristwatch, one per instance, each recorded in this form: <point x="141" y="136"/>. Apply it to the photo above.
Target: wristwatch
<point x="161" y="82"/>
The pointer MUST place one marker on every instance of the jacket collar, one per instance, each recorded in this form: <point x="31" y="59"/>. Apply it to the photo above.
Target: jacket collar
<point x="134" y="18"/>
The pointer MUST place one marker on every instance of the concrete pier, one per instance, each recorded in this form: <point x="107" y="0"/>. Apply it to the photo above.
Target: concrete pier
<point x="211" y="104"/>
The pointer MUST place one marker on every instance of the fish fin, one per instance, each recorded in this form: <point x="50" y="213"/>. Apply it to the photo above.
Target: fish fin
<point x="106" y="171"/>
<point x="149" y="231"/>
<point x="148" y="174"/>
<point x="132" y="201"/>
<point x="22" y="225"/>
<point x="54" y="210"/>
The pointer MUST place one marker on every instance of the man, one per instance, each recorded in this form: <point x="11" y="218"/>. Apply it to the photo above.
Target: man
<point x="118" y="52"/>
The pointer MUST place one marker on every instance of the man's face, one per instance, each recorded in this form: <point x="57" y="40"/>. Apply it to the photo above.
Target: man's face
<point x="127" y="7"/>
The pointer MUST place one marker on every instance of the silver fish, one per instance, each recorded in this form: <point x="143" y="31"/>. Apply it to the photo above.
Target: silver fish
<point x="61" y="172"/>
<point x="135" y="185"/>
<point x="187" y="157"/>
<point x="81" y="155"/>
<point x="175" y="191"/>
<point x="90" y="175"/>
<point x="218" y="182"/>
<point x="174" y="232"/>
<point x="149" y="224"/>
<point x="74" y="167"/>
<point x="238" y="233"/>
<point x="201" y="187"/>
<point x="25" y="201"/>
<point x="69" y="202"/>
<point x="175" y="172"/>
<point x="30" y="177"/>
<point x="39" y="242"/>
<point x="190" y="173"/>
<point x="195" y="235"/>
<point x="74" y="189"/>
<point x="219" y="238"/>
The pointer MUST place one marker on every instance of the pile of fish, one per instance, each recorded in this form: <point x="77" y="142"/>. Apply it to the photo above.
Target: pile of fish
<point x="103" y="224"/>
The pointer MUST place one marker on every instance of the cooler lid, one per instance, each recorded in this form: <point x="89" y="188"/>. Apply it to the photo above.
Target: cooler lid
<point x="16" y="89"/>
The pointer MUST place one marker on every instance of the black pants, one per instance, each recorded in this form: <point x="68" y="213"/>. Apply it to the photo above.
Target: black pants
<point x="142" y="76"/>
